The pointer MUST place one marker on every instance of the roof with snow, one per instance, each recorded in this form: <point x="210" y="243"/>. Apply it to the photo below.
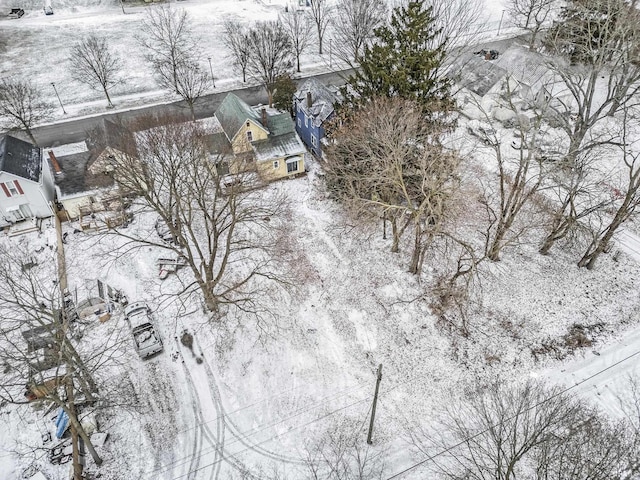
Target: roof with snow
<point x="110" y="134"/>
<point x="233" y="112"/>
<point x="527" y="67"/>
<point x="475" y="73"/>
<point x="279" y="146"/>
<point x="323" y="99"/>
<point x="77" y="178"/>
<point x="20" y="158"/>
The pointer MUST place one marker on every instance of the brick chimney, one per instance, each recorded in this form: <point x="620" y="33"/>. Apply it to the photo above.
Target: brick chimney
<point x="264" y="117"/>
<point x="54" y="163"/>
<point x="309" y="100"/>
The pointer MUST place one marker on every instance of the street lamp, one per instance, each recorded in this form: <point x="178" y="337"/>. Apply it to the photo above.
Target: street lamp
<point x="55" y="90"/>
<point x="213" y="79"/>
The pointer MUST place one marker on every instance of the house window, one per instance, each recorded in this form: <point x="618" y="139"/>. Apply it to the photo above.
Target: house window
<point x="306" y="122"/>
<point x="292" y="165"/>
<point x="250" y="136"/>
<point x="276" y="165"/>
<point x="299" y="122"/>
<point x="248" y="124"/>
<point x="11" y="189"/>
<point x="314" y="140"/>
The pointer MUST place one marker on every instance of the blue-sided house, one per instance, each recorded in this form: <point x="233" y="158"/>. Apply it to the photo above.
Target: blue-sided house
<point x="313" y="105"/>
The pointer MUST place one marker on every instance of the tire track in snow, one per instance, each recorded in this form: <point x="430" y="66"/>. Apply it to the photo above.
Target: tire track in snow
<point x="233" y="428"/>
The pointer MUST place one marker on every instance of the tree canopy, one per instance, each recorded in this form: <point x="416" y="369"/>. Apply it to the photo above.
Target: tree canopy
<point x="404" y="60"/>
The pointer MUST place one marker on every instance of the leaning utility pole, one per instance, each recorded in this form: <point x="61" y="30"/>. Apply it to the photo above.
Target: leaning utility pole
<point x="375" y="401"/>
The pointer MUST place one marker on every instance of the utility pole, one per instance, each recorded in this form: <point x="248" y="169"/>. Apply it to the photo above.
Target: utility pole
<point x="375" y="402"/>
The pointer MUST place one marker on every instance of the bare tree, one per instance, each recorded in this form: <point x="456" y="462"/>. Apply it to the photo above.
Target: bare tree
<point x="236" y="39"/>
<point x="386" y="161"/>
<point x="607" y="225"/>
<point x="297" y="24"/>
<point x="220" y="227"/>
<point x="531" y="15"/>
<point x="576" y="194"/>
<point x="595" y="47"/>
<point x="191" y="83"/>
<point x="519" y="179"/>
<point x="459" y="24"/>
<point x="41" y="361"/>
<point x="321" y="14"/>
<point x="95" y="64"/>
<point x="22" y="106"/>
<point x="169" y="40"/>
<point x="504" y="431"/>
<point x="271" y="54"/>
<point x="353" y="26"/>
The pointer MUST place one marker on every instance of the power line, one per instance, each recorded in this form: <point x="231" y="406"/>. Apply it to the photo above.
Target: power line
<point x="462" y="442"/>
<point x="172" y="465"/>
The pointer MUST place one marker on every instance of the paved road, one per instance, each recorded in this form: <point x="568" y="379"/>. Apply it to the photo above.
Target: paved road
<point x="75" y="130"/>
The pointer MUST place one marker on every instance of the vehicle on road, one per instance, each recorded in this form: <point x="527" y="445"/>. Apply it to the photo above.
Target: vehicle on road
<point x="145" y="336"/>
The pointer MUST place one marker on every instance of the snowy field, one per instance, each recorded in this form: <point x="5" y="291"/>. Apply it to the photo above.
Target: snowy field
<point x="37" y="46"/>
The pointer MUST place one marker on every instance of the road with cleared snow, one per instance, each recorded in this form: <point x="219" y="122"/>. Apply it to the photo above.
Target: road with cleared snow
<point x="72" y="131"/>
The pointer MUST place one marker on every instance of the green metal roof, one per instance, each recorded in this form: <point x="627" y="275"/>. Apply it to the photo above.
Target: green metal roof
<point x="232" y="113"/>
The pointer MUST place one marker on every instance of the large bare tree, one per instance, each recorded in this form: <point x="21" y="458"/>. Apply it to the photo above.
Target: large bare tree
<point x="220" y="225"/>
<point x="594" y="49"/>
<point x="22" y="106"/>
<point x="504" y="431"/>
<point x="271" y="54"/>
<point x="297" y="24"/>
<point x="169" y="40"/>
<point x="605" y="224"/>
<point x="386" y="161"/>
<point x="353" y="26"/>
<point x="236" y="39"/>
<point x="94" y="63"/>
<point x="321" y="13"/>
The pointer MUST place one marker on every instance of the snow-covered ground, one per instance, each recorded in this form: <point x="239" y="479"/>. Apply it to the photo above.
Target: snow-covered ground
<point x="262" y="401"/>
<point x="36" y="46"/>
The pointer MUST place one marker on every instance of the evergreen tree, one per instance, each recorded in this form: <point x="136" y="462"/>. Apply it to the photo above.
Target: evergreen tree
<point x="285" y="88"/>
<point x="404" y="60"/>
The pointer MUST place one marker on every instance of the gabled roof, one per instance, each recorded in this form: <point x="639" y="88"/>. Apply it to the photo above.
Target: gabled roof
<point x="20" y="158"/>
<point x="77" y="178"/>
<point x="110" y="134"/>
<point x="527" y="67"/>
<point x="233" y="113"/>
<point x="323" y="99"/>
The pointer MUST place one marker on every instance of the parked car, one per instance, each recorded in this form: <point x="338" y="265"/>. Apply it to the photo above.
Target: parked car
<point x="16" y="13"/>
<point x="145" y="336"/>
<point x="48" y="10"/>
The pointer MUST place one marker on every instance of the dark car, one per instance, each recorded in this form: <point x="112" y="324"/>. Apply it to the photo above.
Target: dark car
<point x="16" y="13"/>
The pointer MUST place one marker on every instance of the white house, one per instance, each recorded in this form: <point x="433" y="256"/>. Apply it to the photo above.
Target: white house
<point x="26" y="182"/>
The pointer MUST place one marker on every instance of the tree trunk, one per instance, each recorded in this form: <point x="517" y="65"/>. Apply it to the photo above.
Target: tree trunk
<point x="298" y="62"/>
<point x="395" y="246"/>
<point x="109" y="104"/>
<point x="415" y="255"/>
<point x="30" y="135"/>
<point x="319" y="42"/>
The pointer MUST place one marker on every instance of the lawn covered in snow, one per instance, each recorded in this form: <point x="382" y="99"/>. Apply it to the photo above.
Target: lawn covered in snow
<point x="263" y="396"/>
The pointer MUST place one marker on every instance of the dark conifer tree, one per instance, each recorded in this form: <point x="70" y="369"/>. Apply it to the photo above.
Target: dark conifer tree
<point x="404" y="60"/>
